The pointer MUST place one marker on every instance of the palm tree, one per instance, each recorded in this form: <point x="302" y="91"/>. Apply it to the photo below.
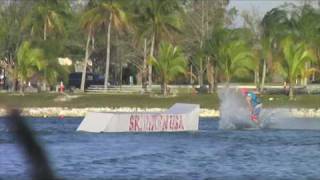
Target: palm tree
<point x="201" y="18"/>
<point x="211" y="50"/>
<point x="32" y="61"/>
<point x="300" y="22"/>
<point x="275" y="25"/>
<point x="47" y="17"/>
<point x="87" y="25"/>
<point x="29" y="61"/>
<point x="260" y="46"/>
<point x="87" y="55"/>
<point x="107" y="15"/>
<point x="170" y="63"/>
<point x="295" y="55"/>
<point x="234" y="58"/>
<point x="159" y="20"/>
<point x="230" y="52"/>
<point x="307" y="26"/>
<point x="47" y="20"/>
<point x="266" y="55"/>
<point x="11" y="17"/>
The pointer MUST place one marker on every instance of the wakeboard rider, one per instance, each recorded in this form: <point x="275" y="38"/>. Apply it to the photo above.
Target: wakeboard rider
<point x="254" y="104"/>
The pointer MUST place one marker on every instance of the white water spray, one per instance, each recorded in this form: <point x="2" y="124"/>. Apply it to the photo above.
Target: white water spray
<point x="234" y="114"/>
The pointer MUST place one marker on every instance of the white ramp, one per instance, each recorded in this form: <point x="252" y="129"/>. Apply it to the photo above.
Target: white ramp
<point x="180" y="117"/>
<point x="93" y="122"/>
<point x="192" y="112"/>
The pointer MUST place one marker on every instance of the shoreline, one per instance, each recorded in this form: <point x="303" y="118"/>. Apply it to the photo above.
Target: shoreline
<point x="80" y="112"/>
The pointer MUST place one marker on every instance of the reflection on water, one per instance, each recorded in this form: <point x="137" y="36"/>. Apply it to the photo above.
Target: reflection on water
<point x="208" y="153"/>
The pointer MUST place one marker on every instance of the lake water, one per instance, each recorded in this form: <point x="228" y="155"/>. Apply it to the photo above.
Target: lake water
<point x="209" y="153"/>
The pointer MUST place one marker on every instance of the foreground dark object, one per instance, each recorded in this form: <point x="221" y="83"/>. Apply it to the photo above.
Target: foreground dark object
<point x="39" y="163"/>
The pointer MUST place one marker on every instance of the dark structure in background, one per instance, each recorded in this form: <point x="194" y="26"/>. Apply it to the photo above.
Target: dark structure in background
<point x="40" y="167"/>
<point x="91" y="79"/>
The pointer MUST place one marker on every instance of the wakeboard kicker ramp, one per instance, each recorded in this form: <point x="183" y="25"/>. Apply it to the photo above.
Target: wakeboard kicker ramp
<point x="180" y="117"/>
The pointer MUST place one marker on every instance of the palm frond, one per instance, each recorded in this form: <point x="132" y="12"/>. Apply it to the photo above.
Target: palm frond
<point x="170" y="62"/>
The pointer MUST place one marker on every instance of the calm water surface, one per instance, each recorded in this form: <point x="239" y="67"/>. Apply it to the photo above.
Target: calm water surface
<point x="207" y="154"/>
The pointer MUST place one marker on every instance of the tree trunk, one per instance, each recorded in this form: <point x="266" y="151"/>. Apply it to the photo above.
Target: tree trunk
<point x="139" y="77"/>
<point x="45" y="31"/>
<point x="215" y="77"/>
<point x="44" y="86"/>
<point x="200" y="75"/>
<point x="150" y="65"/>
<point x="14" y="85"/>
<point x="227" y="81"/>
<point x="14" y="80"/>
<point x="264" y="71"/>
<point x="210" y="74"/>
<point x="305" y="79"/>
<point x="21" y="86"/>
<point x="165" y="93"/>
<point x="291" y="93"/>
<point x="144" y="69"/>
<point x="13" y="77"/>
<point x="191" y="75"/>
<point x="120" y="78"/>
<point x="106" y="77"/>
<point x="84" y="70"/>
<point x="92" y="41"/>
<point x="257" y="78"/>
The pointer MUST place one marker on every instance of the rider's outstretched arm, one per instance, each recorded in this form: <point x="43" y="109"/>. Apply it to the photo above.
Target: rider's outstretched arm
<point x="248" y="99"/>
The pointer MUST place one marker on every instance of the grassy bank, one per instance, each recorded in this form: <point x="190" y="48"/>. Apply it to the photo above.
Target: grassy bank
<point x="104" y="100"/>
<point x="143" y="101"/>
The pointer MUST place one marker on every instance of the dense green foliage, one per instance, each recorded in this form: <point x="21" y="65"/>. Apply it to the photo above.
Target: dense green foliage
<point x="295" y="54"/>
<point x="119" y="37"/>
<point x="170" y="63"/>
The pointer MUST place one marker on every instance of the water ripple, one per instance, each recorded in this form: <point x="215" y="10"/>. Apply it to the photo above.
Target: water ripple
<point x="209" y="153"/>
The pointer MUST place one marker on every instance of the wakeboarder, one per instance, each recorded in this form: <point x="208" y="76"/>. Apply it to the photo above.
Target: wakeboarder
<point x="254" y="104"/>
